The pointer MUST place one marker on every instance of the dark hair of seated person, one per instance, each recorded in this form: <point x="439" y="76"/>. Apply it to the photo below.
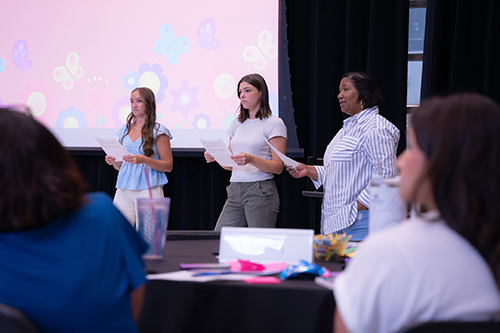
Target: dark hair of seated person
<point x="38" y="179"/>
<point x="460" y="137"/>
<point x="367" y="88"/>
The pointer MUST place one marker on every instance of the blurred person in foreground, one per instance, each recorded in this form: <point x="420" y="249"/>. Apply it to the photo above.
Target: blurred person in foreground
<point x="69" y="261"/>
<point x="444" y="264"/>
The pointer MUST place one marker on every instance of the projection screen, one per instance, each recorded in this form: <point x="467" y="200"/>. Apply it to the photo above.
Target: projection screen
<point x="75" y="63"/>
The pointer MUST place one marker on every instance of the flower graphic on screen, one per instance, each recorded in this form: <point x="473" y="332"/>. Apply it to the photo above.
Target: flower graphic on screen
<point x="2" y="65"/>
<point x="120" y="111"/>
<point x="265" y="50"/>
<point x="20" y="55"/>
<point x="38" y="98"/>
<point x="131" y="80"/>
<point x="170" y="45"/>
<point x="223" y="79"/>
<point x="67" y="75"/>
<point x="148" y="76"/>
<point x="151" y="77"/>
<point x="206" y="32"/>
<point x="71" y="118"/>
<point x="201" y="121"/>
<point x="98" y="94"/>
<point x="185" y="98"/>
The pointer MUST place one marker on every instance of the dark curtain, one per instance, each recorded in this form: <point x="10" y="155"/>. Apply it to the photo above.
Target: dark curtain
<point x="197" y="190"/>
<point x="330" y="38"/>
<point x="462" y="44"/>
<point x="326" y="39"/>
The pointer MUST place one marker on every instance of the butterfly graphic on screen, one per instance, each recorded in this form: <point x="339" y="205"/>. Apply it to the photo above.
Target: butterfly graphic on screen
<point x="206" y="32"/>
<point x="20" y="54"/>
<point x="67" y="75"/>
<point x="265" y="50"/>
<point x="171" y="46"/>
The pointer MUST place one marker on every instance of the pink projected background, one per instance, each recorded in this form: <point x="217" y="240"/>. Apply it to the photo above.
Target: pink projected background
<point x="75" y="63"/>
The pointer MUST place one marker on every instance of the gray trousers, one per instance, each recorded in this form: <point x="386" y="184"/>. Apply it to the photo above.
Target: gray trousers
<point x="252" y="204"/>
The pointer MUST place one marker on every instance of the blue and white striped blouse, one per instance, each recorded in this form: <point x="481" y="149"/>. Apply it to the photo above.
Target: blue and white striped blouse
<point x="366" y="145"/>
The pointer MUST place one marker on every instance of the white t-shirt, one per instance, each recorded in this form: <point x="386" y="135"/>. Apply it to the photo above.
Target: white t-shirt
<point x="415" y="272"/>
<point x="247" y="137"/>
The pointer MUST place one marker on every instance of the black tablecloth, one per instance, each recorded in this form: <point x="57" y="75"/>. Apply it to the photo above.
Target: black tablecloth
<point x="229" y="306"/>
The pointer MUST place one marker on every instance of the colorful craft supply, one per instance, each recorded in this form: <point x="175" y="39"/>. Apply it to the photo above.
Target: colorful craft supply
<point x="330" y="247"/>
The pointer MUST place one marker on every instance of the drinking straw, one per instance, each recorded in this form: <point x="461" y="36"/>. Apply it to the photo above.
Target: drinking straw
<point x="157" y="236"/>
<point x="147" y="180"/>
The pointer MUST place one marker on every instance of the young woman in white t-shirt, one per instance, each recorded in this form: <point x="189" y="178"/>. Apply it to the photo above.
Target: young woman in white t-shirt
<point x="252" y="197"/>
<point x="443" y="265"/>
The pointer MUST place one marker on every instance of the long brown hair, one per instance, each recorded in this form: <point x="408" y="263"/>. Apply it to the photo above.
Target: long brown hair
<point x="147" y="135"/>
<point x="38" y="179"/>
<point x="258" y="82"/>
<point x="460" y="136"/>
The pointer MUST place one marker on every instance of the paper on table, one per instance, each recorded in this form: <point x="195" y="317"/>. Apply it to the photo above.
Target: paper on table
<point x="218" y="149"/>
<point x="185" y="275"/>
<point x="287" y="160"/>
<point x="112" y="148"/>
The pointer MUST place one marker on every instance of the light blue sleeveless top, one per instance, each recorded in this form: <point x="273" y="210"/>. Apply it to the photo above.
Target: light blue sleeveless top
<point x="132" y="176"/>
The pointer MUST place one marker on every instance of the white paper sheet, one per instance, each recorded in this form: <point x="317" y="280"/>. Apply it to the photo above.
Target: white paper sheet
<point x="185" y="275"/>
<point x="112" y="148"/>
<point x="287" y="160"/>
<point x="219" y="150"/>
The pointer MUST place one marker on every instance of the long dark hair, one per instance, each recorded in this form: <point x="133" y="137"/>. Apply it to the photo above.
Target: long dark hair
<point x="258" y="82"/>
<point x="147" y="135"/>
<point x="367" y="88"/>
<point x="460" y="136"/>
<point x="38" y="179"/>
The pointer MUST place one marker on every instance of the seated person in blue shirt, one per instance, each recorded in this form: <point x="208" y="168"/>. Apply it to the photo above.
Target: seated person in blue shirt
<point x="444" y="264"/>
<point x="365" y="146"/>
<point x="70" y="262"/>
<point x="149" y="145"/>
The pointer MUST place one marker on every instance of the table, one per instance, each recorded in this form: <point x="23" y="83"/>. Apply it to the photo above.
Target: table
<point x="229" y="306"/>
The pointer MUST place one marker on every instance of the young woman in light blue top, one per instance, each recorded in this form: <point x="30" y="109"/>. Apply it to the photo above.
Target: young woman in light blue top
<point x="149" y="145"/>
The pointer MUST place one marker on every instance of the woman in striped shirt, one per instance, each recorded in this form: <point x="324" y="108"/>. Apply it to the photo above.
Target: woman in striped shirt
<point x="366" y="145"/>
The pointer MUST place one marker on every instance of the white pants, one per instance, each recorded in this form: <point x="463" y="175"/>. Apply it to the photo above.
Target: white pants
<point x="126" y="201"/>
